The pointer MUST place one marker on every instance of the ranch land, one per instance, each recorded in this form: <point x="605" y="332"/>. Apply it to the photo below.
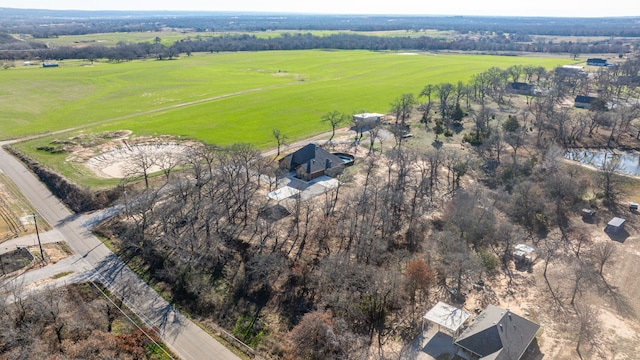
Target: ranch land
<point x="221" y="98"/>
<point x="282" y="89"/>
<point x="431" y="210"/>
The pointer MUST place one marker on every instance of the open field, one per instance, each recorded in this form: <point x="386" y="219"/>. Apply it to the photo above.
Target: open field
<point x="258" y="91"/>
<point x="169" y="37"/>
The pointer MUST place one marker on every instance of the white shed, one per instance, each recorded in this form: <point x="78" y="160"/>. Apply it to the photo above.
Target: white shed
<point x="367" y="118"/>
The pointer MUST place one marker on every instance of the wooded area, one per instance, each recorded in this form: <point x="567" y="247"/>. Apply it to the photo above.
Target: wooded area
<point x="72" y="322"/>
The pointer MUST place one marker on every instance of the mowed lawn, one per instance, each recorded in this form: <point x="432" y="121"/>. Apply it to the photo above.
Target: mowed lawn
<point x="243" y="95"/>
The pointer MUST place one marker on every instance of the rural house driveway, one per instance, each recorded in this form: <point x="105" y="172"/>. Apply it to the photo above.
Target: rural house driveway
<point x="181" y="335"/>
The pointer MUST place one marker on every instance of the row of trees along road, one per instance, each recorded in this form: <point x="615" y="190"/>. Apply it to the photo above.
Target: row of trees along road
<point x="361" y="263"/>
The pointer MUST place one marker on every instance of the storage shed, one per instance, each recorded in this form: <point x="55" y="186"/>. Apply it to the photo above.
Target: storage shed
<point x="615" y="225"/>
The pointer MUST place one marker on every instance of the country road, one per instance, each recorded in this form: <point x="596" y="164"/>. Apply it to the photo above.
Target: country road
<point x="94" y="260"/>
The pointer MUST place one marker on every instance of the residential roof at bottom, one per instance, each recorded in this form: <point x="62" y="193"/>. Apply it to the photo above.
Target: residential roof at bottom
<point x="498" y="334"/>
<point x="447" y="316"/>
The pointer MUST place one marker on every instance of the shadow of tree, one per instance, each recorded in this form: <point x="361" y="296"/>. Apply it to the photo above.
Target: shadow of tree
<point x="622" y="304"/>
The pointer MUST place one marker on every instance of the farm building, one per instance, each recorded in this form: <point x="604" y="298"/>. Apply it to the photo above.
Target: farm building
<point x="496" y="334"/>
<point x="49" y="65"/>
<point x="523" y="253"/>
<point x="521" y="88"/>
<point x="583" y="101"/>
<point x="312" y="161"/>
<point x="446" y="316"/>
<point x="369" y="118"/>
<point x="588" y="214"/>
<point x="615" y="225"/>
<point x="597" y="62"/>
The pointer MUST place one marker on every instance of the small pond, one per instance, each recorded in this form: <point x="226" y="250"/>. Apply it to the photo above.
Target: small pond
<point x="347" y="159"/>
<point x="630" y="161"/>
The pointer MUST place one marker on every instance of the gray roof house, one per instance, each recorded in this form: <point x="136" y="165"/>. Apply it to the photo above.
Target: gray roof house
<point x="497" y="334"/>
<point x="312" y="161"/>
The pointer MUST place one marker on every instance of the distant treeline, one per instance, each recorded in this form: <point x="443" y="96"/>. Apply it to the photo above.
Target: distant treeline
<point x="130" y="51"/>
<point x="50" y="23"/>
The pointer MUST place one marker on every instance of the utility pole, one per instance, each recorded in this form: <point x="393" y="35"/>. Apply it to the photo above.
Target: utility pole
<point x="35" y="223"/>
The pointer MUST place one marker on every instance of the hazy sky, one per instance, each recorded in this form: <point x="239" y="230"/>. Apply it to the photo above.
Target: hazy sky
<point x="571" y="8"/>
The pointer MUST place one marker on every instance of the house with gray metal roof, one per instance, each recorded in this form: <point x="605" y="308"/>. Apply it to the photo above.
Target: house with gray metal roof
<point x="496" y="334"/>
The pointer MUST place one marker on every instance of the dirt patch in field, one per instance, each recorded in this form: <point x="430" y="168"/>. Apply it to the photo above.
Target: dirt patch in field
<point x="128" y="159"/>
<point x="118" y="154"/>
<point x="15" y="212"/>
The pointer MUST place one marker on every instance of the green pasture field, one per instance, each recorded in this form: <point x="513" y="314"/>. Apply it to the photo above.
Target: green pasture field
<point x="317" y="82"/>
<point x="169" y="37"/>
<point x="240" y="97"/>
<point x="111" y="39"/>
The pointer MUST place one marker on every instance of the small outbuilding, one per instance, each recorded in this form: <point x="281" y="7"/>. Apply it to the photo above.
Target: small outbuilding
<point x="521" y="88"/>
<point x="448" y="317"/>
<point x="369" y="118"/>
<point x="615" y="225"/>
<point x="588" y="213"/>
<point x="597" y="62"/>
<point x="523" y="254"/>
<point x="583" y="101"/>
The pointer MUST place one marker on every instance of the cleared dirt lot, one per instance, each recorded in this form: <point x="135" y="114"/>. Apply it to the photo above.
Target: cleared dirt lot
<point x="15" y="212"/>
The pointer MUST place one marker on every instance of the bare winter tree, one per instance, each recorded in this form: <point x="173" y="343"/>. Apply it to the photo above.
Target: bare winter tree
<point x="582" y="273"/>
<point x="334" y="118"/>
<point x="610" y="180"/>
<point x="167" y="160"/>
<point x="280" y="139"/>
<point x="140" y="162"/>
<point x="402" y="106"/>
<point x="444" y="91"/>
<point x="374" y="132"/>
<point x="588" y="326"/>
<point x="603" y="252"/>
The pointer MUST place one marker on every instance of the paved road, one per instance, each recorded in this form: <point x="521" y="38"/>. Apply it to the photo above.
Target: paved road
<point x="96" y="261"/>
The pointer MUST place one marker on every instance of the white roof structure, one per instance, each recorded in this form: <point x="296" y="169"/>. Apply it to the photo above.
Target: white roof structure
<point x="525" y="248"/>
<point x="616" y="221"/>
<point x="367" y="116"/>
<point x="447" y="316"/>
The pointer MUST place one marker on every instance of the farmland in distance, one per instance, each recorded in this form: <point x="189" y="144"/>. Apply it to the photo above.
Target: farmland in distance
<point x="226" y="97"/>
